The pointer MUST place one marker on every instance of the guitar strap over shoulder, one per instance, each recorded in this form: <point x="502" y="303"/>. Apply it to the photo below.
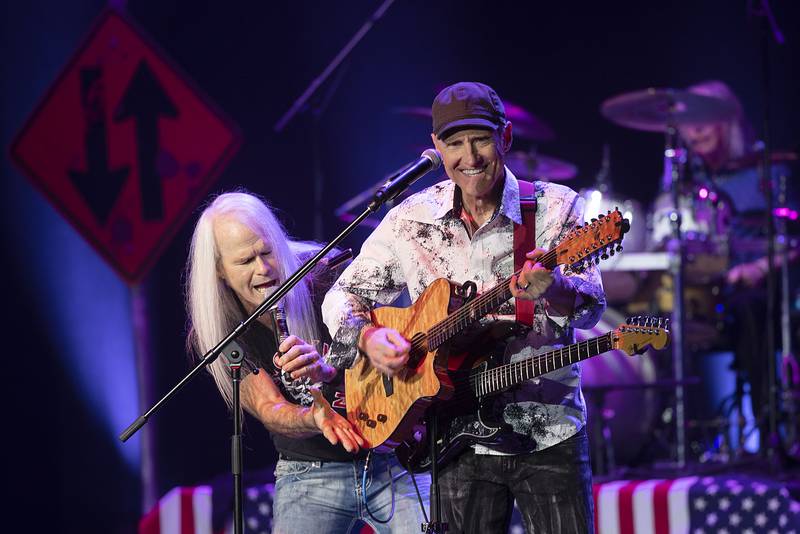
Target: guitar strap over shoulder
<point x="525" y="241"/>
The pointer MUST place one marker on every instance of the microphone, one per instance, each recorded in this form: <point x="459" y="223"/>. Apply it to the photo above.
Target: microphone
<point x="428" y="161"/>
<point x="281" y="333"/>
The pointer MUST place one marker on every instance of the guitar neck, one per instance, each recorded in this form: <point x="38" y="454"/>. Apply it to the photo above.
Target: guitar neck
<point x="496" y="379"/>
<point x="473" y="310"/>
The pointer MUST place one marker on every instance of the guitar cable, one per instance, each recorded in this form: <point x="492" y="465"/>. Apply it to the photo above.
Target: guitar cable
<point x="364" y="490"/>
<point x="391" y="479"/>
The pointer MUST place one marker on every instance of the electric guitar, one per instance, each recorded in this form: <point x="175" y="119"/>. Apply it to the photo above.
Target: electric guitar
<point x="386" y="409"/>
<point x="473" y="414"/>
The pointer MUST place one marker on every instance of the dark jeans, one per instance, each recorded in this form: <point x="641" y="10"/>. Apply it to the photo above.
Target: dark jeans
<point x="553" y="489"/>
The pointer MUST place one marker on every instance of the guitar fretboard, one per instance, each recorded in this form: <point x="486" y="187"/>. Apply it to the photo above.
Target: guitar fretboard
<point x="458" y="321"/>
<point x="498" y="378"/>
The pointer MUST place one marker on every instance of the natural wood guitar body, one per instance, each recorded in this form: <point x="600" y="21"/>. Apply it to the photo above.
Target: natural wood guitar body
<point x="385" y="409"/>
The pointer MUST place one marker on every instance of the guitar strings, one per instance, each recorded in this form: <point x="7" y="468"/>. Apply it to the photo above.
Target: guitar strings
<point x="501" y="373"/>
<point x="439" y="332"/>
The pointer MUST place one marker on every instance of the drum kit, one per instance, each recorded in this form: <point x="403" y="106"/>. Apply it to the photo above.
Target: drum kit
<point x="675" y="260"/>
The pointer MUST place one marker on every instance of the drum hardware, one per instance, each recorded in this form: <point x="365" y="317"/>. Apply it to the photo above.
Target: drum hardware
<point x="620" y="285"/>
<point x="610" y="404"/>
<point x="626" y="412"/>
<point x="531" y="165"/>
<point x="663" y="110"/>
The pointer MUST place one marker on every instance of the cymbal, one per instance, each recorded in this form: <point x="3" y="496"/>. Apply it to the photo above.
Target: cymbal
<point x="525" y="125"/>
<point x="652" y="110"/>
<point x="527" y="165"/>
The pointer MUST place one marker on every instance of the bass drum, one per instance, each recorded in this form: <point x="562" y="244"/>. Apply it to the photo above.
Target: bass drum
<point x="612" y="386"/>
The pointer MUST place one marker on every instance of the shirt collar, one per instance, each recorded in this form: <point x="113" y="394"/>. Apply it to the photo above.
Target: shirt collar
<point x="509" y="200"/>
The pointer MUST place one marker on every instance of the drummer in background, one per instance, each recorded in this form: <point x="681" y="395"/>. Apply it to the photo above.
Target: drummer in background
<point x="725" y="155"/>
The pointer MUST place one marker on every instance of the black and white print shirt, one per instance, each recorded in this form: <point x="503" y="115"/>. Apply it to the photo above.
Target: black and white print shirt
<point x="423" y="239"/>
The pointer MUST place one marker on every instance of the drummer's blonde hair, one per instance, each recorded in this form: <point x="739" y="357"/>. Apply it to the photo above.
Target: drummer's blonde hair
<point x="738" y="137"/>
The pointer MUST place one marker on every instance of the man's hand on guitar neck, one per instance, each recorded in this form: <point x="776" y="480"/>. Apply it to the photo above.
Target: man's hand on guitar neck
<point x="386" y="349"/>
<point x="537" y="281"/>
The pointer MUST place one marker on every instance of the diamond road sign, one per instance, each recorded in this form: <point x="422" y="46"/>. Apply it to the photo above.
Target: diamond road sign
<point x="124" y="146"/>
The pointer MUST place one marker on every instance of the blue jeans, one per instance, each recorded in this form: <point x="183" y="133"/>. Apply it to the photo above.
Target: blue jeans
<point x="327" y="497"/>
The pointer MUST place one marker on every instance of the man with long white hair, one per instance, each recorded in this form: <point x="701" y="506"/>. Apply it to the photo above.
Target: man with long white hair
<point x="239" y="254"/>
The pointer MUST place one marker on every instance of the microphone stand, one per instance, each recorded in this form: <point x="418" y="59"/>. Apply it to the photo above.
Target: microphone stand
<point x="235" y="354"/>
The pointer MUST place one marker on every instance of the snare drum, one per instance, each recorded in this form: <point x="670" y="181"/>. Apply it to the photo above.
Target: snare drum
<point x="620" y="286"/>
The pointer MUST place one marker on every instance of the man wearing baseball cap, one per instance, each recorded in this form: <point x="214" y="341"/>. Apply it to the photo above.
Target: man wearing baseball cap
<point x="463" y="229"/>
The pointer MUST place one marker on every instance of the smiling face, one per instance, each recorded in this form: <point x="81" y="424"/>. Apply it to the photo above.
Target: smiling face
<point x="473" y="159"/>
<point x="246" y="262"/>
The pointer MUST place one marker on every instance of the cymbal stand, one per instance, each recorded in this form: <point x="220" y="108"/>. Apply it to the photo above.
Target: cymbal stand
<point x="674" y="158"/>
<point x="790" y="374"/>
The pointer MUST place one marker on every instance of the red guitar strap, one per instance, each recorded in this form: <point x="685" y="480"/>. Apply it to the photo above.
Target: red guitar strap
<point x="525" y="241"/>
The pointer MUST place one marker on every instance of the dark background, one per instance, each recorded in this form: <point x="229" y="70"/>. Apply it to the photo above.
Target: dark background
<point x="559" y="60"/>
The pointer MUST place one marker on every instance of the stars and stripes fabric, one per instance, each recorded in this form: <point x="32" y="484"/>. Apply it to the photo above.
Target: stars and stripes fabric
<point x="197" y="510"/>
<point x="689" y="505"/>
<point x="696" y="505"/>
<point x="183" y="510"/>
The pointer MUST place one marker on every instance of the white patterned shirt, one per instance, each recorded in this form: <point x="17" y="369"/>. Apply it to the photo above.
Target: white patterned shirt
<point x="423" y="239"/>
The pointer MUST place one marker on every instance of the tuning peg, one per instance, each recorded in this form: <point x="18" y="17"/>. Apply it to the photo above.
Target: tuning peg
<point x="628" y="320"/>
<point x="597" y="259"/>
<point x="602" y="215"/>
<point x="619" y="247"/>
<point x="594" y="220"/>
<point x="611" y="251"/>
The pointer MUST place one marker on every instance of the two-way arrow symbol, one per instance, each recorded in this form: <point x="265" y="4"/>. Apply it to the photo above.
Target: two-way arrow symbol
<point x="145" y="101"/>
<point x="98" y="185"/>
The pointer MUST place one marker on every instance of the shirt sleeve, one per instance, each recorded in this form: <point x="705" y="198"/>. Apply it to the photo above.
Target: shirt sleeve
<point x="590" y="300"/>
<point x="374" y="277"/>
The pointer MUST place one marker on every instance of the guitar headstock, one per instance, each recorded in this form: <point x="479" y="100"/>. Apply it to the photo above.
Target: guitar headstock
<point x="596" y="240"/>
<point x="638" y="333"/>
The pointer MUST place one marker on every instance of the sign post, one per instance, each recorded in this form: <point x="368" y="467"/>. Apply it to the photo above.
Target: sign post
<point x="125" y="147"/>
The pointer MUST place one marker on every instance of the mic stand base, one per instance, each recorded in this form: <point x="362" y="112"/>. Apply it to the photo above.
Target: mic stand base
<point x="435" y="525"/>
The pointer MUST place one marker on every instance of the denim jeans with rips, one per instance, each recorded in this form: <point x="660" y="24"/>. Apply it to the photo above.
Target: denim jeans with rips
<point x="328" y="497"/>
